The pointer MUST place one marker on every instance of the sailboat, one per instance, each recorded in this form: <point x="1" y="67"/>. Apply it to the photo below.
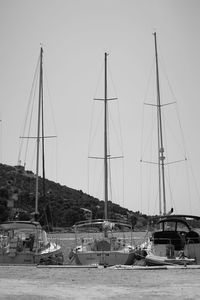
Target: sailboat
<point x="25" y="242"/>
<point x="175" y="242"/>
<point x="104" y="245"/>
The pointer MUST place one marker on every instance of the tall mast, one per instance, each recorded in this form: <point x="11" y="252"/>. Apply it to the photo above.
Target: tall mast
<point x="161" y="157"/>
<point x="38" y="127"/>
<point x="105" y="145"/>
<point x="43" y="159"/>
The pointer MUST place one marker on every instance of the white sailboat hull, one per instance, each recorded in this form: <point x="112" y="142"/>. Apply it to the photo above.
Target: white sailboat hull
<point x="25" y="242"/>
<point x="106" y="258"/>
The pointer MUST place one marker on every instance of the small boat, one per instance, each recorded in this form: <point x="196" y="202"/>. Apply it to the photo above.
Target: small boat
<point x="25" y="242"/>
<point x="175" y="242"/>
<point x="106" y="243"/>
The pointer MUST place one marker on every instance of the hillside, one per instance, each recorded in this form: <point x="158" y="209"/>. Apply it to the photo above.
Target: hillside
<point x="62" y="206"/>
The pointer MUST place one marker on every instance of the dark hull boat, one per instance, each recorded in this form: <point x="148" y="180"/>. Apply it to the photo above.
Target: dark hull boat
<point x="175" y="242"/>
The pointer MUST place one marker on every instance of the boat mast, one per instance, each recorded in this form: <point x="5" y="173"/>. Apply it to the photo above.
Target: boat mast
<point x="105" y="145"/>
<point x="161" y="157"/>
<point x="38" y="128"/>
<point x="43" y="156"/>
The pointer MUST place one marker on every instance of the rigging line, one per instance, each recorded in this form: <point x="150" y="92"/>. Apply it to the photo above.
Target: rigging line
<point x="150" y="135"/>
<point x="145" y="96"/>
<point x="175" y="139"/>
<point x="142" y="133"/>
<point x="162" y="64"/>
<point x="149" y="78"/>
<point x="181" y="130"/>
<point x="94" y="176"/>
<point x="168" y="168"/>
<point x="89" y="147"/>
<point x="141" y="150"/>
<point x="155" y="207"/>
<point x="152" y="151"/>
<point x="110" y="180"/>
<point x="194" y="179"/>
<point x="50" y="98"/>
<point x="109" y="151"/>
<point x="175" y="162"/>
<point x="123" y="180"/>
<point x="56" y="166"/>
<point x="117" y="187"/>
<point x="28" y="109"/>
<point x="88" y="176"/>
<point x="96" y="185"/>
<point x="120" y="129"/>
<point x="52" y="116"/>
<point x="90" y="130"/>
<point x="149" y="179"/>
<point x="186" y="153"/>
<point x="28" y="106"/>
<point x="150" y="170"/>
<point x="177" y="111"/>
<point x="91" y="142"/>
<point x="112" y="191"/>
<point x="111" y="77"/>
<point x="30" y="123"/>
<point x="141" y="186"/>
<point x="114" y="194"/>
<point x="188" y="186"/>
<point x="93" y="133"/>
<point x="98" y="80"/>
<point x="183" y="140"/>
<point x="100" y="183"/>
<point x="30" y="120"/>
<point x="149" y="189"/>
<point x="167" y="178"/>
<point x="119" y="142"/>
<point x="33" y="157"/>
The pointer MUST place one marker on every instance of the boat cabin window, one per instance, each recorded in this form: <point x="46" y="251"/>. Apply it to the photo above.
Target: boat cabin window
<point x="182" y="227"/>
<point x="174" y="226"/>
<point x="169" y="226"/>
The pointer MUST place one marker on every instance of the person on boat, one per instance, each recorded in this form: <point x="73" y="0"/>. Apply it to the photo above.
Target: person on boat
<point x="31" y="241"/>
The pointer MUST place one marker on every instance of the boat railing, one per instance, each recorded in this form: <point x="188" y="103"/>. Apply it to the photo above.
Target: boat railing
<point x="104" y="222"/>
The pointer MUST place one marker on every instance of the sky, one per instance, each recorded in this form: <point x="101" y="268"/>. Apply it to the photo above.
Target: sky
<point x="75" y="34"/>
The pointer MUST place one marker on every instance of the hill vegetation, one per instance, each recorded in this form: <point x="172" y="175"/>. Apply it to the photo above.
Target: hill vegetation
<point x="61" y="206"/>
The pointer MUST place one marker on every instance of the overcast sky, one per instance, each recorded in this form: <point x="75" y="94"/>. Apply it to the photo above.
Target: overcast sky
<point x="75" y="34"/>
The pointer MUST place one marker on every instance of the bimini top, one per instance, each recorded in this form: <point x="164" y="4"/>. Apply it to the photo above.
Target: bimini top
<point x="167" y="217"/>
<point x="20" y="225"/>
<point x="184" y="219"/>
